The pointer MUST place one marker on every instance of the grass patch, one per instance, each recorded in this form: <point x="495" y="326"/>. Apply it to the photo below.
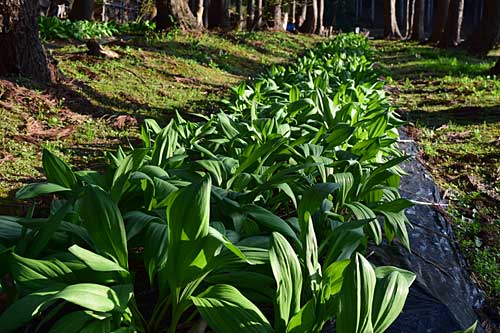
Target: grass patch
<point x="455" y="106"/>
<point x="103" y="101"/>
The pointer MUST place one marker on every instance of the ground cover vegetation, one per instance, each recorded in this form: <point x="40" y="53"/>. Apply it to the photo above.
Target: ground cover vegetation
<point x="452" y="103"/>
<point x="256" y="182"/>
<point x="102" y="101"/>
<point x="254" y="219"/>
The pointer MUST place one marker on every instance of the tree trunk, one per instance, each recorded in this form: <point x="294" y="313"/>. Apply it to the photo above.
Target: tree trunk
<point x="22" y="53"/>
<point x="218" y="14"/>
<point x="417" y="31"/>
<point x="451" y="33"/>
<point x="439" y="21"/>
<point x="179" y="12"/>
<point x="391" y="29"/>
<point x="277" y="16"/>
<point x="321" y="15"/>
<point x="239" y="12"/>
<point x="206" y="5"/>
<point x="311" y="22"/>
<point x="301" y="15"/>
<point x="82" y="10"/>
<point x="200" y="9"/>
<point x="487" y="33"/>
<point x="496" y="69"/>
<point x="258" y="20"/>
<point x="408" y="18"/>
<point x="250" y="14"/>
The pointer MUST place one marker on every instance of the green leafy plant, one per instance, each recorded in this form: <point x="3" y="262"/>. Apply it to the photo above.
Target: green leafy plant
<point x="55" y="28"/>
<point x="253" y="220"/>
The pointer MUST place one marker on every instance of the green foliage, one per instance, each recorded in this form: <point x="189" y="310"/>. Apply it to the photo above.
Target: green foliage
<point x="272" y="202"/>
<point x="55" y="28"/>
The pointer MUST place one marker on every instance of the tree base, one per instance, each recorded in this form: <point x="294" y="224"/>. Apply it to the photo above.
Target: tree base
<point x="496" y="69"/>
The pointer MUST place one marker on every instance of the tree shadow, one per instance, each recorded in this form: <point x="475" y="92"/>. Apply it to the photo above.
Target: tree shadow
<point x="204" y="55"/>
<point x="415" y="61"/>
<point x="459" y="116"/>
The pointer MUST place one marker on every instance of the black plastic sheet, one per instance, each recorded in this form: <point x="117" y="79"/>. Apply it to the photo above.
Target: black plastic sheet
<point x="443" y="297"/>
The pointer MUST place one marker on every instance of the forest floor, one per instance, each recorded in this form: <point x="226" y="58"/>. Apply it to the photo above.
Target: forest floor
<point x="453" y="106"/>
<point x="103" y="101"/>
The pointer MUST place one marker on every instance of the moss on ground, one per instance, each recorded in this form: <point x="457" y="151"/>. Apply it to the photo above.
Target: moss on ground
<point x="103" y="101"/>
<point x="454" y="105"/>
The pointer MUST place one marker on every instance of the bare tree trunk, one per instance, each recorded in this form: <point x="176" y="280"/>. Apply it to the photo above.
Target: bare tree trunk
<point x="451" y="33"/>
<point x="206" y="6"/>
<point x="496" y="69"/>
<point x="239" y="14"/>
<point x="487" y="32"/>
<point x="82" y="10"/>
<point x="277" y="16"/>
<point x="258" y="19"/>
<point x="218" y="14"/>
<point x="199" y="12"/>
<point x="22" y="53"/>
<point x="301" y="15"/>
<point x="321" y="14"/>
<point x="408" y="18"/>
<point x="391" y="29"/>
<point x="439" y="21"/>
<point x="418" y="32"/>
<point x="250" y="14"/>
<point x="179" y="12"/>
<point x="311" y="22"/>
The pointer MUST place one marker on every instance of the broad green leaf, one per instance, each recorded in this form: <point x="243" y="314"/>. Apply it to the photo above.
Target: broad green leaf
<point x="165" y="145"/>
<point x="94" y="261"/>
<point x="155" y="248"/>
<point x="391" y="290"/>
<point x="362" y="212"/>
<point x="340" y="134"/>
<point x="34" y="190"/>
<point x="103" y="220"/>
<point x="26" y="308"/>
<point x="137" y="221"/>
<point x="288" y="276"/>
<point x="38" y="274"/>
<point x="188" y="221"/>
<point x="312" y="200"/>
<point x="395" y="206"/>
<point x="72" y="322"/>
<point x="42" y="237"/>
<point x="333" y="277"/>
<point x="396" y="223"/>
<point x="226" y="310"/>
<point x="96" y="297"/>
<point x="304" y="320"/>
<point x="311" y="259"/>
<point x="57" y="171"/>
<point x="269" y="220"/>
<point x="131" y="163"/>
<point x="356" y="297"/>
<point x="10" y="229"/>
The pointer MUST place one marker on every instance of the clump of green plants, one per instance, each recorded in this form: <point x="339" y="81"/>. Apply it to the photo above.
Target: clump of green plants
<point x="252" y="220"/>
<point x="55" y="28"/>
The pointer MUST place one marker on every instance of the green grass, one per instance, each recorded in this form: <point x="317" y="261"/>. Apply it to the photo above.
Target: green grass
<point x="454" y="105"/>
<point x="154" y="76"/>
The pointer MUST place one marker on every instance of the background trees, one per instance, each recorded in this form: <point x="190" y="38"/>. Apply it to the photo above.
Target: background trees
<point x="391" y="29"/>
<point x="21" y="51"/>
<point x="435" y="21"/>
